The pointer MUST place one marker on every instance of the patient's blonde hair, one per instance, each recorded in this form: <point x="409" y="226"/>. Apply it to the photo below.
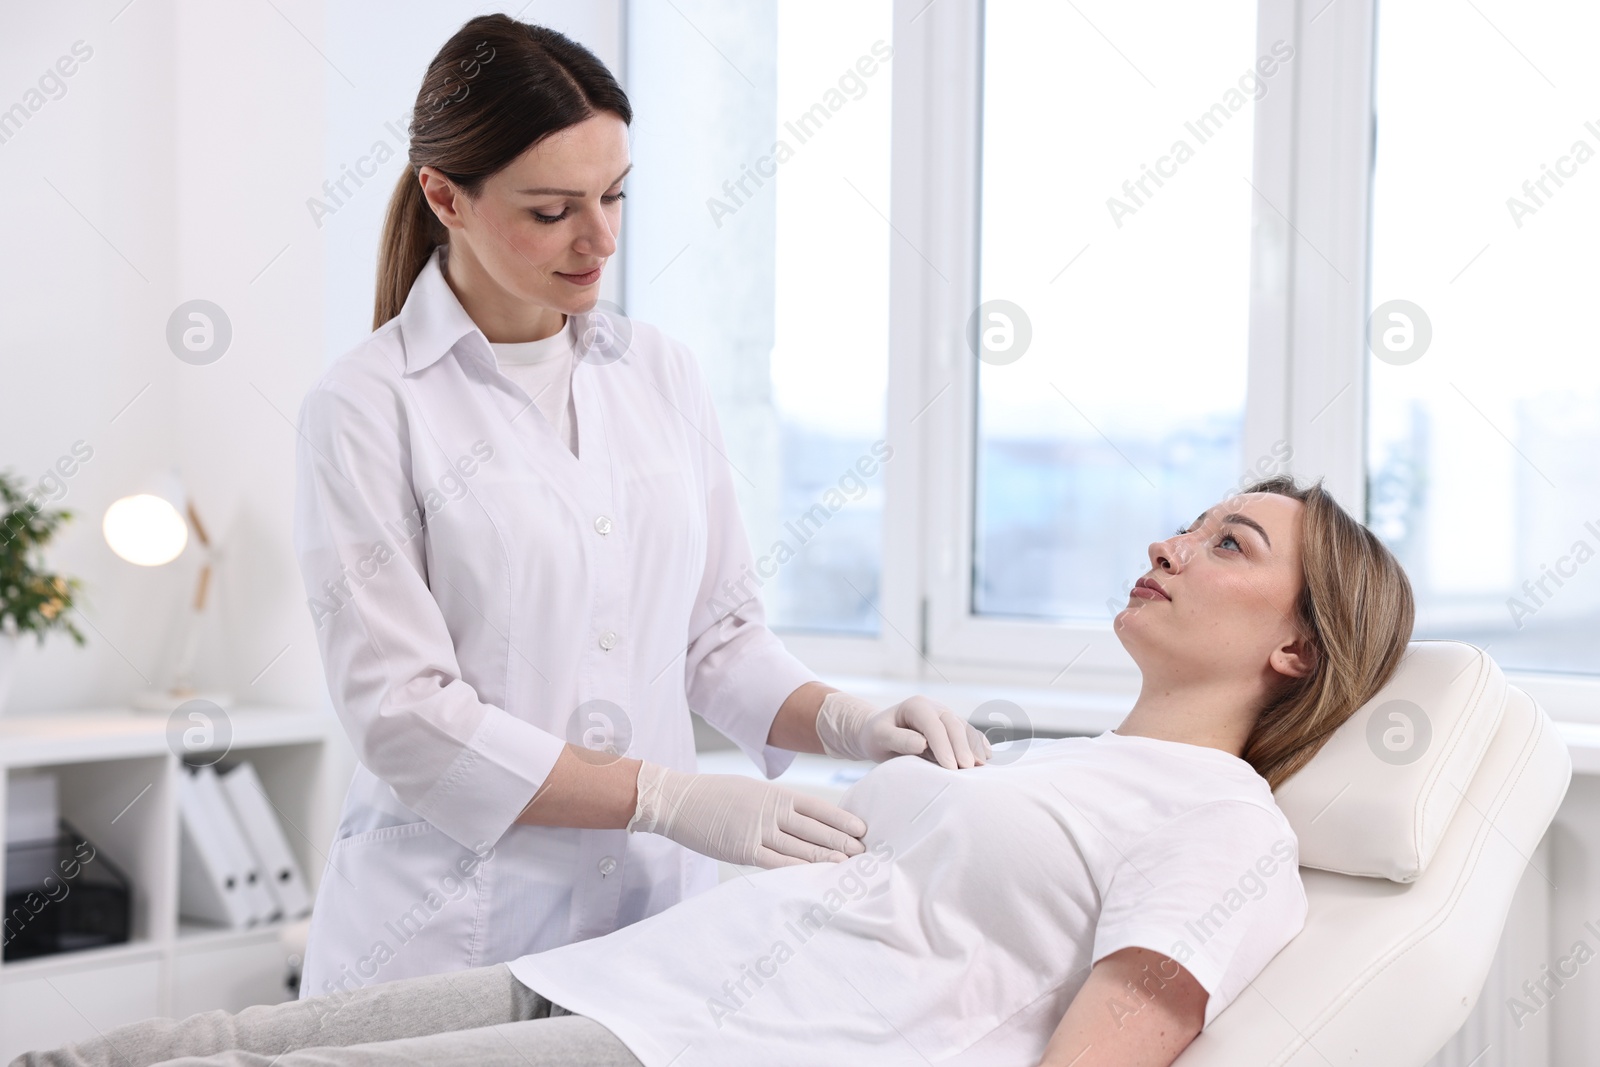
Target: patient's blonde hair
<point x="1356" y="608"/>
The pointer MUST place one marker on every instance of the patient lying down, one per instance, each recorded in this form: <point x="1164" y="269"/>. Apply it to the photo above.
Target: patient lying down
<point x="1086" y="901"/>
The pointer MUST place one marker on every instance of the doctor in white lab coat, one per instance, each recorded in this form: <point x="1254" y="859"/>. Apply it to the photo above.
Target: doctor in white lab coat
<point x="525" y="564"/>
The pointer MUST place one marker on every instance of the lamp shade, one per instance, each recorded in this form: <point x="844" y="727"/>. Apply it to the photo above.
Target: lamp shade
<point x="148" y="527"/>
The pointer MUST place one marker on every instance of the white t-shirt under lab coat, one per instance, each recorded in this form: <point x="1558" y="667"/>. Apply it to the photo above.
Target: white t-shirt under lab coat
<point x="544" y="371"/>
<point x="965" y="930"/>
<point x="482" y="595"/>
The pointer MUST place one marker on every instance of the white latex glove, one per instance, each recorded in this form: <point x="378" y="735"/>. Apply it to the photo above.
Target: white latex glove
<point x="851" y="728"/>
<point x="743" y="820"/>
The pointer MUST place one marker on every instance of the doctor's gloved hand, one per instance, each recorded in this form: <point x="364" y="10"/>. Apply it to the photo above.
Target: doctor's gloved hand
<point x="851" y="728"/>
<point x="743" y="820"/>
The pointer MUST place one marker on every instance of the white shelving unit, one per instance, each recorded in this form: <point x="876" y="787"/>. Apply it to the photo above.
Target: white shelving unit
<point x="117" y="778"/>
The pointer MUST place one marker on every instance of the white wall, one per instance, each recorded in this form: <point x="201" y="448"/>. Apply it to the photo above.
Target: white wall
<point x="91" y="274"/>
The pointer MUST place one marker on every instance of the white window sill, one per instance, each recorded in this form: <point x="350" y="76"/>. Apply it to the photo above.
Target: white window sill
<point x="1573" y="703"/>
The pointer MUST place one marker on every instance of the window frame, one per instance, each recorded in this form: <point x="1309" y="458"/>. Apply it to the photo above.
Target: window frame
<point x="1303" y="347"/>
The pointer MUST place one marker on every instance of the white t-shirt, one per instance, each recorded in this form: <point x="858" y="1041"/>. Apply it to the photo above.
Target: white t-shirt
<point x="972" y="920"/>
<point x="544" y="370"/>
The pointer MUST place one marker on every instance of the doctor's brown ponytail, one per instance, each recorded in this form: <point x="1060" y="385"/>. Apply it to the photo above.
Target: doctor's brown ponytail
<point x="497" y="87"/>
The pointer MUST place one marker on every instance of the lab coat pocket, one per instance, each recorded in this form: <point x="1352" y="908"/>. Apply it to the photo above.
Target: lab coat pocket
<point x="396" y="902"/>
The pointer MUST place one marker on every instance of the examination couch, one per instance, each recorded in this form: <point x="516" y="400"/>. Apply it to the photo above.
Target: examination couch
<point x="1416" y="823"/>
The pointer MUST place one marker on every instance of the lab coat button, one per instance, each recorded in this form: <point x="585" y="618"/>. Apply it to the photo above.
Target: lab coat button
<point x="602" y="525"/>
<point x="608" y="640"/>
<point x="606" y="866"/>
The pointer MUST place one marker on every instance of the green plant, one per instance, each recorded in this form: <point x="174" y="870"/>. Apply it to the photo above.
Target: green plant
<point x="33" y="599"/>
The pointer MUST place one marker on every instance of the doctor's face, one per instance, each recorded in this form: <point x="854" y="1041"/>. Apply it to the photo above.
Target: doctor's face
<point x="542" y="228"/>
<point x="1220" y="600"/>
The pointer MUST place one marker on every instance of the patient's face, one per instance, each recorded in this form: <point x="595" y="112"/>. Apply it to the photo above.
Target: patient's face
<point x="1231" y="581"/>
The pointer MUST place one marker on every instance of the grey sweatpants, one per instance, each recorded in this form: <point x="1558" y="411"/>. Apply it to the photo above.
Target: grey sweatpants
<point x="482" y="1016"/>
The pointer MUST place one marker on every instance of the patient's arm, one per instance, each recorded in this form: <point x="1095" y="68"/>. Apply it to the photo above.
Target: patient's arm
<point x="1137" y="1009"/>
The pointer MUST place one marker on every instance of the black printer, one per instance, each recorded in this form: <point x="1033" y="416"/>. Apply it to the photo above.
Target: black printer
<point x="62" y="895"/>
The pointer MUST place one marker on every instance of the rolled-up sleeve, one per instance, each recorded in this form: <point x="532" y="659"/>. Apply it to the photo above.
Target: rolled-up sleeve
<point x="466" y="766"/>
<point x="738" y="672"/>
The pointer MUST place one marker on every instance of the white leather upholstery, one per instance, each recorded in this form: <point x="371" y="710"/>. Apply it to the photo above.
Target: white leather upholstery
<point x="1384" y="973"/>
<point x="1379" y="795"/>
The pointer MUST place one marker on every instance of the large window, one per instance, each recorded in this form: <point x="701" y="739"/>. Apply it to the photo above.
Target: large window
<point x="1128" y="263"/>
<point x="1484" y="386"/>
<point x="1114" y="280"/>
<point x="757" y="234"/>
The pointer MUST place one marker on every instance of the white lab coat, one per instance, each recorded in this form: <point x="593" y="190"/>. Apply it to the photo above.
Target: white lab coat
<point x="474" y="585"/>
